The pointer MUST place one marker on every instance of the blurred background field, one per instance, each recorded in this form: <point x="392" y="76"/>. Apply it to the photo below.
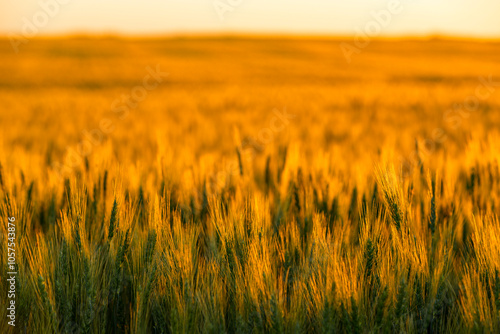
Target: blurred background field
<point x="392" y="93"/>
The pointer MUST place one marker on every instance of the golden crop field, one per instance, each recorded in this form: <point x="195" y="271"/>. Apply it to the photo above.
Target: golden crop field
<point x="250" y="185"/>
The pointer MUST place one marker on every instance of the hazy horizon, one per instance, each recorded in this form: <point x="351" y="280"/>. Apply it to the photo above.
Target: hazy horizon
<point x="413" y="18"/>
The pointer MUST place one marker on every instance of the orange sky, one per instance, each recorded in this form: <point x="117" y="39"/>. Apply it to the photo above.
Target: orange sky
<point x="478" y="18"/>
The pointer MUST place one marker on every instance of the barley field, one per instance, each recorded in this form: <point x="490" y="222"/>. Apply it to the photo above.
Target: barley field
<point x="250" y="185"/>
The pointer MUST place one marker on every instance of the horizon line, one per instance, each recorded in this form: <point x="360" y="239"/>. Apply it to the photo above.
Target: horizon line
<point x="252" y="35"/>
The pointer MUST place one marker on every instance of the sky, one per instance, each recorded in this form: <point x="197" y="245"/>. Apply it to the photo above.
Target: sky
<point x="465" y="18"/>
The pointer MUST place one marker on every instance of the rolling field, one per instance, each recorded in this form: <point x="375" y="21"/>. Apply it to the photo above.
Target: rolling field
<point x="250" y="185"/>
